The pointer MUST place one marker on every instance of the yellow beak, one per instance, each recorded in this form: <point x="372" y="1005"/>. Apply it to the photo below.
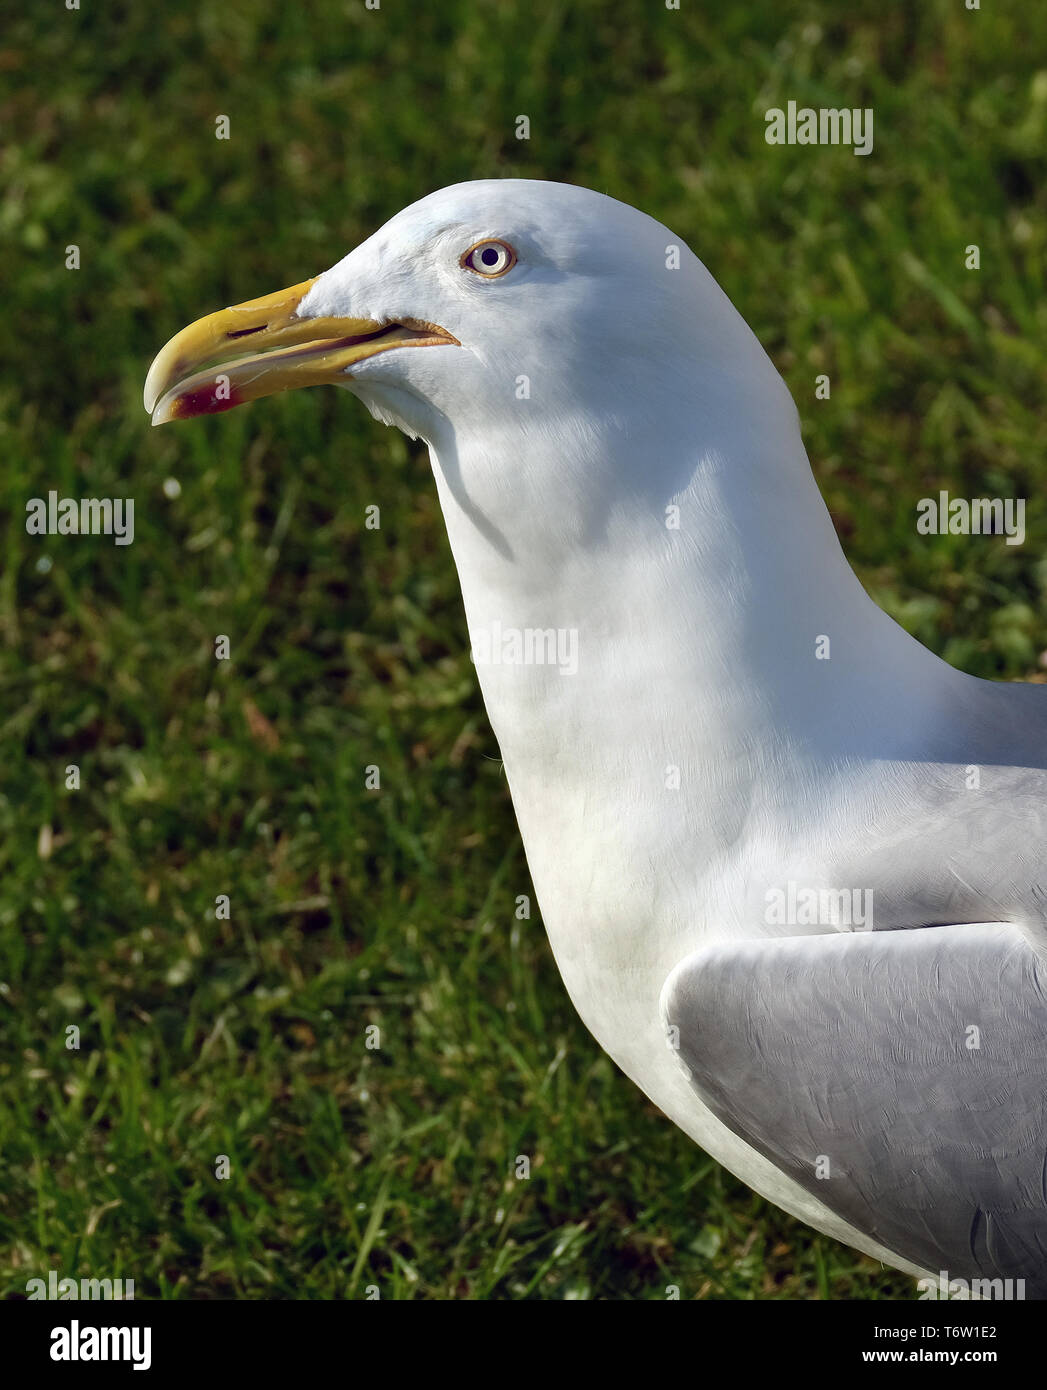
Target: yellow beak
<point x="310" y="352"/>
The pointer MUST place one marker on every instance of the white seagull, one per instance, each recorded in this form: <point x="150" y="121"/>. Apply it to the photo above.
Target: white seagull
<point x="789" y="861"/>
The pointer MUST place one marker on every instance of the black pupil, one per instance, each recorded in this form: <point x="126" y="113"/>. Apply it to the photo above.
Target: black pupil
<point x="489" y="256"/>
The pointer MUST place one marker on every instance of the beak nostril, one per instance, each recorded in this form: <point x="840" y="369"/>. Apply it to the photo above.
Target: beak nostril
<point x="246" y="332"/>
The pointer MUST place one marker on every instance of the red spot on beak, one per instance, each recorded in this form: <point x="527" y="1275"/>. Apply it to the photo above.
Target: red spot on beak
<point x="204" y="402"/>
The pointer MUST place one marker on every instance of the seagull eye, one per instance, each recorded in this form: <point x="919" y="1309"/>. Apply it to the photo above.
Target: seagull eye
<point x="489" y="258"/>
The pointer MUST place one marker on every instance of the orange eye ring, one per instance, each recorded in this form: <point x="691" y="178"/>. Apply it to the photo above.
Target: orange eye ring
<point x="490" y="258"/>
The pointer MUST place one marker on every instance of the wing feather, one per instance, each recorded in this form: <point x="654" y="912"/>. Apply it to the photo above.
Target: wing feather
<point x="900" y="1076"/>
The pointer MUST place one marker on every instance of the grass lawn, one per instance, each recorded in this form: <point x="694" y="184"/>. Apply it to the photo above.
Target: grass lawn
<point x="246" y="1037"/>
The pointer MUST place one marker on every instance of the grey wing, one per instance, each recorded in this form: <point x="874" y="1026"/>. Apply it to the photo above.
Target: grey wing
<point x="899" y="1076"/>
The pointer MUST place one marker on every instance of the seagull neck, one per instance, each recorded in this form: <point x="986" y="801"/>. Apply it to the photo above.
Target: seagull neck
<point x="715" y="590"/>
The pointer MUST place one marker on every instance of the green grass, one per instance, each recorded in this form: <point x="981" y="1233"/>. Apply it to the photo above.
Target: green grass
<point x="199" y="1037"/>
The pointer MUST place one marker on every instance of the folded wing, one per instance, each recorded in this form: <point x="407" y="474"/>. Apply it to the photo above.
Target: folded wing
<point x="900" y="1076"/>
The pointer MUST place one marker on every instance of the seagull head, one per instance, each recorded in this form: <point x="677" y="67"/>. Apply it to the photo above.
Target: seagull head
<point x="487" y="306"/>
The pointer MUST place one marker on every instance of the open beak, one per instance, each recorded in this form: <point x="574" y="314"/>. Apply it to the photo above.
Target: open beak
<point x="290" y="352"/>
